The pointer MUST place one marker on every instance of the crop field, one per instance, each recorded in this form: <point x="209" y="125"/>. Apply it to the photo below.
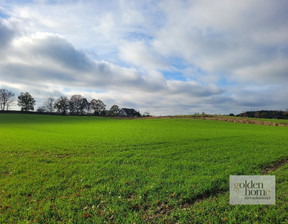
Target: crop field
<point x="61" y="169"/>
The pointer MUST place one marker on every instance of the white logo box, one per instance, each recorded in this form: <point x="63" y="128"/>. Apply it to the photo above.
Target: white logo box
<point x="245" y="190"/>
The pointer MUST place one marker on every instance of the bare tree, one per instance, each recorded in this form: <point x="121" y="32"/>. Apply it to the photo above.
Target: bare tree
<point x="146" y="114"/>
<point x="41" y="109"/>
<point x="26" y="101"/>
<point x="78" y="104"/>
<point x="97" y="106"/>
<point x="49" y="104"/>
<point x="6" y="99"/>
<point x="84" y="106"/>
<point x="62" y="105"/>
<point x="114" y="110"/>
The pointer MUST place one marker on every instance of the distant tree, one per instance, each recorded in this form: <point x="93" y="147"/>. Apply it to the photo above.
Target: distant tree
<point x="62" y="105"/>
<point x="78" y="104"/>
<point x="6" y="99"/>
<point x="146" y="114"/>
<point x="97" y="106"/>
<point x="42" y="109"/>
<point x="84" y="106"/>
<point x="74" y="103"/>
<point x="49" y="104"/>
<point x="114" y="110"/>
<point x="26" y="101"/>
<point x="257" y="114"/>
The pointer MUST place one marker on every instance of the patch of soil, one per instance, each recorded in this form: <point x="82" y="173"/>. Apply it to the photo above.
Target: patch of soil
<point x="274" y="167"/>
<point x="217" y="118"/>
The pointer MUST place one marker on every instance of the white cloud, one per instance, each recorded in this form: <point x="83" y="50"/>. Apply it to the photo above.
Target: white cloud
<point x="139" y="55"/>
<point x="224" y="36"/>
<point x="49" y="62"/>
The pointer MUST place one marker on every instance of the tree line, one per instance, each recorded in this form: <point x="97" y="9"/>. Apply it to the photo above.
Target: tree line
<point x="270" y="114"/>
<point x="75" y="105"/>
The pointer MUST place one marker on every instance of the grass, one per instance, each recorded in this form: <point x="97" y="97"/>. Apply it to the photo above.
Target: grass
<point x="216" y="209"/>
<point x="56" y="169"/>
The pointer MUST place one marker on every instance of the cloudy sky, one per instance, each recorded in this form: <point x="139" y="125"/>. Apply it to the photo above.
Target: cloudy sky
<point x="164" y="57"/>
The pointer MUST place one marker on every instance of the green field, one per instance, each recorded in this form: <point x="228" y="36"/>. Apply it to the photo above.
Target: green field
<point x="60" y="169"/>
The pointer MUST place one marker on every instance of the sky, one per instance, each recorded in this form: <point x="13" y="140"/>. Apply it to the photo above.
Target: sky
<point x="165" y="57"/>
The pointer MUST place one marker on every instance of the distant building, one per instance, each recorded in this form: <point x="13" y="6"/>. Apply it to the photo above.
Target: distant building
<point x="128" y="112"/>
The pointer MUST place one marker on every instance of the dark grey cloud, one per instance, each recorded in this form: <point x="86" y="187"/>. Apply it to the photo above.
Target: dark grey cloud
<point x="29" y="74"/>
<point x="58" y="49"/>
<point x="6" y="36"/>
<point x="193" y="89"/>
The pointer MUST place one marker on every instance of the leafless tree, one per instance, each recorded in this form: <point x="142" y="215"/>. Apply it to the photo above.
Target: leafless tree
<point x="146" y="114"/>
<point x="62" y="105"/>
<point x="114" y="110"/>
<point x="78" y="104"/>
<point x="84" y="106"/>
<point x="49" y="104"/>
<point x="41" y="109"/>
<point x="6" y="99"/>
<point x="97" y="106"/>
